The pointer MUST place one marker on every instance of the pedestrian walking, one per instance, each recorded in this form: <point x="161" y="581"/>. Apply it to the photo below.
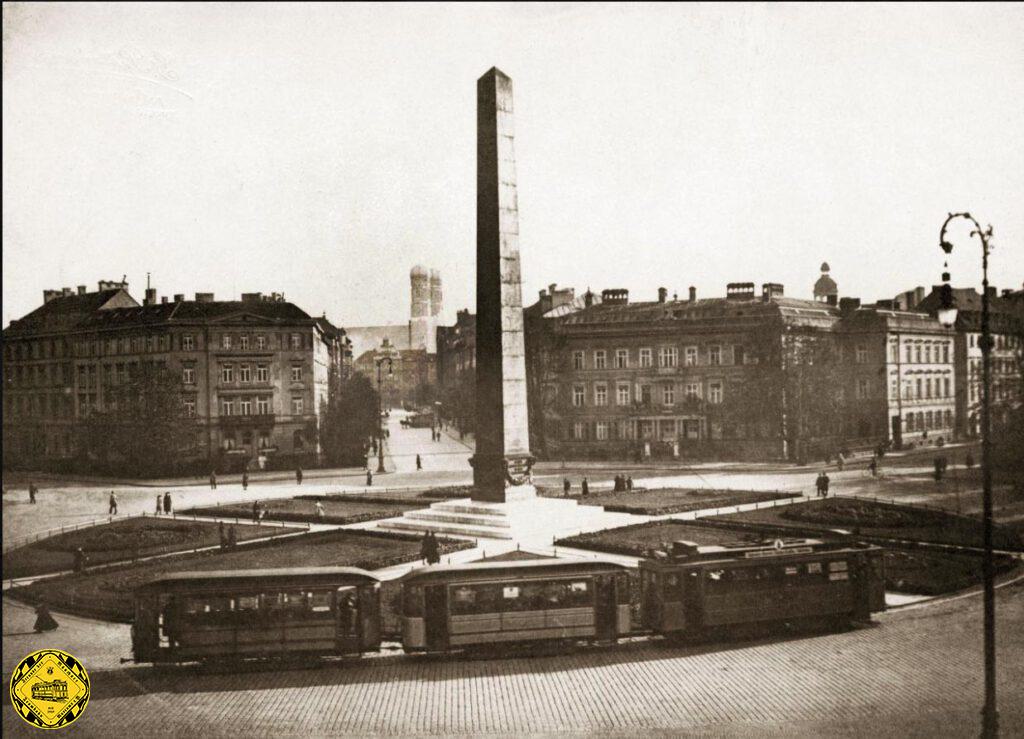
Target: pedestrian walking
<point x="232" y="537"/>
<point x="369" y="477"/>
<point x="113" y="504"/>
<point x="298" y="475"/>
<point x="840" y="461"/>
<point x="824" y="484"/>
<point x="873" y="467"/>
<point x="425" y="547"/>
<point x="245" y="479"/>
<point x="938" y="468"/>
<point x="158" y="502"/>
<point x="81" y="560"/>
<point x="817" y="485"/>
<point x="32" y="493"/>
<point x="566" y="486"/>
<point x="167" y="503"/>
<point x="223" y="536"/>
<point x="419" y="463"/>
<point x="584" y="488"/>
<point x="44" y="621"/>
<point x="433" y="550"/>
<point x="255" y="511"/>
<point x="213" y="480"/>
<point x="319" y="510"/>
<point x="629" y="483"/>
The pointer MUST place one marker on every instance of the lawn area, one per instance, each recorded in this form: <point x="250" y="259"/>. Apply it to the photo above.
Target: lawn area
<point x="123" y="539"/>
<point x="107" y="594"/>
<point x="634" y="540"/>
<point x="875" y="519"/>
<point x="337" y="510"/>
<point x="659" y="502"/>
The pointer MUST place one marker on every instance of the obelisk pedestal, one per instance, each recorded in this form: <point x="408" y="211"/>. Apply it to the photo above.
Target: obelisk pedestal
<point x="502" y="463"/>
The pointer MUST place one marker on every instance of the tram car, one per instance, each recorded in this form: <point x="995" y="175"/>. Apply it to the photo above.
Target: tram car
<point x="463" y="607"/>
<point x="55" y="691"/>
<point x="202" y="616"/>
<point x="694" y="591"/>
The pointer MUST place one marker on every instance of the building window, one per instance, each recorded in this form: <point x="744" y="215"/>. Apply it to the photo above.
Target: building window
<point x="690" y="354"/>
<point x="862" y="354"/>
<point x="227" y="373"/>
<point x="945" y="384"/>
<point x="190" y="408"/>
<point x="862" y="388"/>
<point x="243" y="341"/>
<point x="601" y="431"/>
<point x="928" y="387"/>
<point x="600" y="359"/>
<point x="262" y="373"/>
<point x="188" y="375"/>
<point x="244" y="373"/>
<point x="577" y="431"/>
<point x="621" y="358"/>
<point x="296" y="341"/>
<point x="227" y="407"/>
<point x="296" y="405"/>
<point x="918" y="389"/>
<point x="692" y="390"/>
<point x="263" y="406"/>
<point x="668" y="395"/>
<point x="945" y="353"/>
<point x="188" y="343"/>
<point x="296" y="373"/>
<point x="261" y="342"/>
<point x="894" y="352"/>
<point x="578" y="391"/>
<point x="225" y="341"/>
<point x="645" y="357"/>
<point x="668" y="356"/>
<point x="715" y="392"/>
<point x="622" y="393"/>
<point x="645" y="394"/>
<point x="909" y="353"/>
<point x="577" y="360"/>
<point x="917" y="353"/>
<point x="245" y="407"/>
<point x="600" y="394"/>
<point x="714" y="355"/>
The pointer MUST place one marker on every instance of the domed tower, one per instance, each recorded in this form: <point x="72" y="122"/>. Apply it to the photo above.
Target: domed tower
<point x="436" y="296"/>
<point x="420" y="282"/>
<point x="825" y="289"/>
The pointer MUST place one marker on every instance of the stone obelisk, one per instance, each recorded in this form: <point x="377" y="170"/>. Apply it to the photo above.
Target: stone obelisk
<point x="501" y="465"/>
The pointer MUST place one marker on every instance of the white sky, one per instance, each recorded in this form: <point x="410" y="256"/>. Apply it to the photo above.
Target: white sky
<point x="323" y="150"/>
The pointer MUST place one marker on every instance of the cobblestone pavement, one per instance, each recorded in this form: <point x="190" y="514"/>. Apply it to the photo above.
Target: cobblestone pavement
<point x="916" y="673"/>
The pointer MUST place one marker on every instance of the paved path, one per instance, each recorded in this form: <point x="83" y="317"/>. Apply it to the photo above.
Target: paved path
<point x="916" y="673"/>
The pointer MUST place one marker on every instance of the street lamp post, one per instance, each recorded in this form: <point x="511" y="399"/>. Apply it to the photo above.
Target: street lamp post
<point x="380" y="409"/>
<point x="947" y="315"/>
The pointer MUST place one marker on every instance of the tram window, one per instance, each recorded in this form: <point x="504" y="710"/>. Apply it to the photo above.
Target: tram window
<point x="320" y="601"/>
<point x="466" y="599"/>
<point x="510" y="592"/>
<point x="208" y="609"/>
<point x="792" y="570"/>
<point x="413" y="601"/>
<point x="839" y="566"/>
<point x="814" y="568"/>
<point x="247" y="603"/>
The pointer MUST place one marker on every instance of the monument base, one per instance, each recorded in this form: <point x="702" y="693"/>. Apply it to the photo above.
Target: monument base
<point x="526" y="518"/>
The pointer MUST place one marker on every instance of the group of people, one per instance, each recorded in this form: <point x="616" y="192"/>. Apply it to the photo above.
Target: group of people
<point x="623" y="483"/>
<point x="822" y="484"/>
<point x="567" y="487"/>
<point x="430" y="550"/>
<point x="163" y="502"/>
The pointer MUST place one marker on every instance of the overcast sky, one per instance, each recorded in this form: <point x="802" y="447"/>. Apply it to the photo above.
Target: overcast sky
<point x="323" y="150"/>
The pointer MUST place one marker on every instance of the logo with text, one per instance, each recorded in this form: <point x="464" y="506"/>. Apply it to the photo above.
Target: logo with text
<point x="50" y="689"/>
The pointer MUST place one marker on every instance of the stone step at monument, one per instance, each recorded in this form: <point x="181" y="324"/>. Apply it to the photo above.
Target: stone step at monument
<point x="467" y="506"/>
<point x="465" y="518"/>
<point x="407" y="525"/>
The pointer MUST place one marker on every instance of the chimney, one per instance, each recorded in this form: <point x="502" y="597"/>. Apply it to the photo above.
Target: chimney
<point x="588" y="299"/>
<point x="849" y="305"/>
<point x="252" y="297"/>
<point x="552" y="287"/>
<point x="1007" y="291"/>
<point x="49" y="295"/>
<point x="662" y="294"/>
<point x="163" y="300"/>
<point x="65" y="291"/>
<point x="832" y="299"/>
<point x="150" y="298"/>
<point x="739" y="291"/>
<point x="885" y="304"/>
<point x="693" y="294"/>
<point x="179" y="297"/>
<point x="543" y="294"/>
<point x="618" y="296"/>
<point x="204" y="297"/>
<point x="770" y="290"/>
<point x="81" y="289"/>
<point x="918" y="296"/>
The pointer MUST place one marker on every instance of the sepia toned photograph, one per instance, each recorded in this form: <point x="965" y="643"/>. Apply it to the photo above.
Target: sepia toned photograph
<point x="513" y="369"/>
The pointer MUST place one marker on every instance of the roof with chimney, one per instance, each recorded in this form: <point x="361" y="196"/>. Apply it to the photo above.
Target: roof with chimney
<point x="67" y="312"/>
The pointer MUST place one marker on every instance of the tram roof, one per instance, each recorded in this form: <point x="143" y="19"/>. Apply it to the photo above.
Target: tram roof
<point x="510" y="567"/>
<point x="299" y="575"/>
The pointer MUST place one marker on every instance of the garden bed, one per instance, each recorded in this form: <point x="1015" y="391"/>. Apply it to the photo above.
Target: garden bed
<point x="636" y="539"/>
<point x="876" y="520"/>
<point x="660" y="502"/>
<point x="337" y="510"/>
<point x="123" y="539"/>
<point x="107" y="594"/>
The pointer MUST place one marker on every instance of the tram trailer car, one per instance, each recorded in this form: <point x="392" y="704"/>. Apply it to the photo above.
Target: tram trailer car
<point x="467" y="606"/>
<point x="201" y="616"/>
<point x="695" y="590"/>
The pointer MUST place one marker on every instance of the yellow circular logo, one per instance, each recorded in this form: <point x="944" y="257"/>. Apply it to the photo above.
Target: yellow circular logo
<point x="50" y="689"/>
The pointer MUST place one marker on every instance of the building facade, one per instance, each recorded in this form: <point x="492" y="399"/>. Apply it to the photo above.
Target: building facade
<point x="254" y="374"/>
